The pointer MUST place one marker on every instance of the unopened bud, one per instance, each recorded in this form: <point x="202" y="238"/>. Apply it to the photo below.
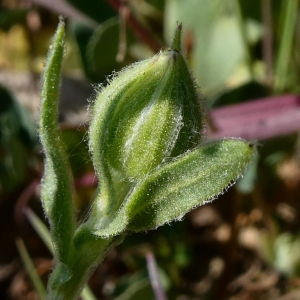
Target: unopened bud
<point x="150" y="112"/>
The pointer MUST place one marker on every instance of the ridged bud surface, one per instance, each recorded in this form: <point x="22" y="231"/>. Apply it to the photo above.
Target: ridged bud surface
<point x="149" y="113"/>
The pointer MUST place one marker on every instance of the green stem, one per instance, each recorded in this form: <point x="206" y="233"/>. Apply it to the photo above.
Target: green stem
<point x="34" y="276"/>
<point x="241" y="23"/>
<point x="289" y="17"/>
<point x="67" y="281"/>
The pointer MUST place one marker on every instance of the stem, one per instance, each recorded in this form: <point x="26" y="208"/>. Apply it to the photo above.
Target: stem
<point x="66" y="284"/>
<point x="289" y="16"/>
<point x="67" y="281"/>
<point x="241" y="23"/>
<point x="266" y="9"/>
<point x="154" y="277"/>
<point x="143" y="34"/>
<point x="30" y="268"/>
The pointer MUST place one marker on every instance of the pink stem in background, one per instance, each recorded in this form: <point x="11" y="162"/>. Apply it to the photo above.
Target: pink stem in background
<point x="143" y="33"/>
<point x="23" y="200"/>
<point x="154" y="277"/>
<point x="86" y="180"/>
<point x="257" y="119"/>
<point x="66" y="9"/>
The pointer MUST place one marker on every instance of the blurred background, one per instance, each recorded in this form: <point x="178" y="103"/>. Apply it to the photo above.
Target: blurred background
<point x="245" y="56"/>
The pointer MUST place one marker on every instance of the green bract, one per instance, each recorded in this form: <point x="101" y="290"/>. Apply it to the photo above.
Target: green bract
<point x="146" y="141"/>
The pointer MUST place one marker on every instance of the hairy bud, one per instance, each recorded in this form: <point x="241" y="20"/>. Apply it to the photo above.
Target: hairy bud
<point x="150" y="112"/>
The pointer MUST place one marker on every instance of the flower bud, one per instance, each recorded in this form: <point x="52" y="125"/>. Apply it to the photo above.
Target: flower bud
<point x="148" y="113"/>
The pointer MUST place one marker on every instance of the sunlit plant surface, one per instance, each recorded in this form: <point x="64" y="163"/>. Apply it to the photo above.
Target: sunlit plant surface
<point x="149" y="153"/>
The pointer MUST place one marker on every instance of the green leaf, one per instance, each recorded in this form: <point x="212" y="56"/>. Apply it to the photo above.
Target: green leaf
<point x="17" y="134"/>
<point x="218" y="57"/>
<point x="98" y="10"/>
<point x="82" y="34"/>
<point x="133" y="287"/>
<point x="217" y="39"/>
<point x="10" y="17"/>
<point x="57" y="185"/>
<point x="159" y="4"/>
<point x="287" y="256"/>
<point x="33" y="275"/>
<point x="289" y="19"/>
<point x="193" y="179"/>
<point x="139" y="289"/>
<point x="102" y="49"/>
<point x="40" y="228"/>
<point x="248" y="182"/>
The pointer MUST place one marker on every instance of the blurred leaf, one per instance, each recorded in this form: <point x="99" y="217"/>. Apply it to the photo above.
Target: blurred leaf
<point x="287" y="254"/>
<point x="289" y="19"/>
<point x="254" y="11"/>
<point x="17" y="132"/>
<point x="217" y="56"/>
<point x="248" y="91"/>
<point x="215" y="35"/>
<point x="40" y="228"/>
<point x="77" y="151"/>
<point x="246" y="184"/>
<point x="32" y="273"/>
<point x="8" y="18"/>
<point x="82" y="34"/>
<point x="87" y="294"/>
<point x="17" y="118"/>
<point x="134" y="287"/>
<point x="138" y="290"/>
<point x="102" y="49"/>
<point x="182" y="255"/>
<point x="160" y="4"/>
<point x="98" y="10"/>
<point x="14" y="163"/>
<point x="251" y="11"/>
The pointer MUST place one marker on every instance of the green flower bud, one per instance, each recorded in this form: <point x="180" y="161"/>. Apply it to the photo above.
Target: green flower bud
<point x="150" y="112"/>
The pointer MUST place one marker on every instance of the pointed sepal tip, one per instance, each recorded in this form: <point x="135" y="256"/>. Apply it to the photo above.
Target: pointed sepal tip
<point x="176" y="44"/>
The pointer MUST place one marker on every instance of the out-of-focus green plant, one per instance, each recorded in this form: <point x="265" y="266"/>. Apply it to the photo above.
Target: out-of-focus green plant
<point x="17" y="136"/>
<point x="147" y="147"/>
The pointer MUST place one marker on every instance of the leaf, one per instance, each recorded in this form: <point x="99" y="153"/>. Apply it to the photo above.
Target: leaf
<point x="140" y="289"/>
<point x="10" y="17"/>
<point x="159" y="4"/>
<point x="57" y="183"/>
<point x="287" y="36"/>
<point x="40" y="228"/>
<point x="98" y="10"/>
<point x="17" y="134"/>
<point x="245" y="92"/>
<point x="193" y="179"/>
<point x="136" y="286"/>
<point x="287" y="256"/>
<point x="33" y="275"/>
<point x="211" y="29"/>
<point x="247" y="184"/>
<point x="217" y="57"/>
<point x="103" y="47"/>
